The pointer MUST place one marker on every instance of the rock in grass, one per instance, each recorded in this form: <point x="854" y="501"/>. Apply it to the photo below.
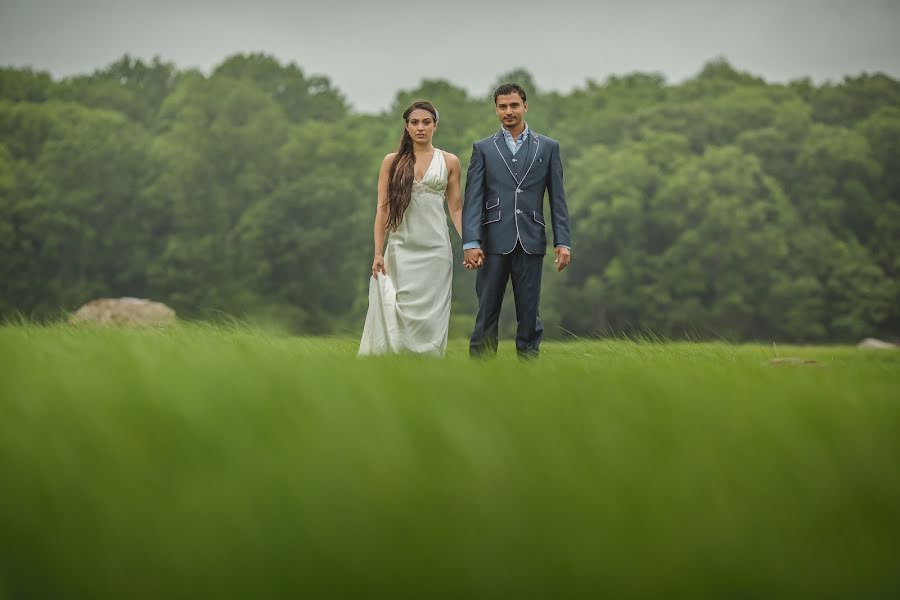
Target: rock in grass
<point x="792" y="361"/>
<point x="129" y="312"/>
<point x="876" y="344"/>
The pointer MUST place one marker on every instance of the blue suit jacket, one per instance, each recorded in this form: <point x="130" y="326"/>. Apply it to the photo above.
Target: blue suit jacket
<point x="504" y="200"/>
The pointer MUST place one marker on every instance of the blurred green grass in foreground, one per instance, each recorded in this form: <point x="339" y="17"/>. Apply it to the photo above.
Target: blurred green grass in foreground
<point x="231" y="463"/>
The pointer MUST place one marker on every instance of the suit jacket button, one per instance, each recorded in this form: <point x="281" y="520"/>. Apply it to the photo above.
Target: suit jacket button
<point x="518" y="211"/>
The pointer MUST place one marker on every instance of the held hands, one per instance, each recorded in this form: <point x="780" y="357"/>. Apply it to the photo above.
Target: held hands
<point x="562" y="258"/>
<point x="378" y="266"/>
<point x="473" y="258"/>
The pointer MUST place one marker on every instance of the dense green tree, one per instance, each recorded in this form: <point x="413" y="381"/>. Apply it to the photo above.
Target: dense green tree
<point x="302" y="98"/>
<point x="778" y="145"/>
<point x="76" y="231"/>
<point x="835" y="175"/>
<point x="307" y="248"/>
<point x="882" y="131"/>
<point x="129" y="85"/>
<point x="25" y="85"/>
<point x="854" y="99"/>
<point x="609" y="108"/>
<point x="217" y="155"/>
<point x="725" y="218"/>
<point x="858" y="294"/>
<point x="24" y="128"/>
<point x="8" y="219"/>
<point x="717" y="78"/>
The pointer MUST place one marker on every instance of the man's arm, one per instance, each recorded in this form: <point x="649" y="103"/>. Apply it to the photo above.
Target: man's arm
<point x="472" y="211"/>
<point x="559" y="211"/>
<point x="474" y="200"/>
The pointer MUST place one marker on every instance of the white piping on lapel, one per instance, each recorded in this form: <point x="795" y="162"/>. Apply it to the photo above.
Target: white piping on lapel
<point x="533" y="156"/>
<point x="504" y="158"/>
<point x="536" y="141"/>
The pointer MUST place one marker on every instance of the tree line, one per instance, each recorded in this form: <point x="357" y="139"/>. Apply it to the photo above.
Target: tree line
<point x="724" y="206"/>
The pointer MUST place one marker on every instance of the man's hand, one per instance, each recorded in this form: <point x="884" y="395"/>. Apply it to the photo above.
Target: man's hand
<point x="473" y="258"/>
<point x="562" y="258"/>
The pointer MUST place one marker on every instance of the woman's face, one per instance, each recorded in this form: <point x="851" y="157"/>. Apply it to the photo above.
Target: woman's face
<point x="420" y="125"/>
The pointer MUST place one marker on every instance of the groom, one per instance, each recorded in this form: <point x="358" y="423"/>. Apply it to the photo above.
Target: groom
<point x="503" y="222"/>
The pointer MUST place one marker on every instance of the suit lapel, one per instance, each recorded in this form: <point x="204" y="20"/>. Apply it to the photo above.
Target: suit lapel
<point x="534" y="146"/>
<point x="505" y="154"/>
<point x="524" y="158"/>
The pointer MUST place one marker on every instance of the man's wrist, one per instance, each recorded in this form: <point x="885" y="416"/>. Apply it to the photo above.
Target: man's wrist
<point x="471" y="245"/>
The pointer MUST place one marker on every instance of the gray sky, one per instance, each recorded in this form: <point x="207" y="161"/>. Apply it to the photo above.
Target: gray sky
<point x="370" y="50"/>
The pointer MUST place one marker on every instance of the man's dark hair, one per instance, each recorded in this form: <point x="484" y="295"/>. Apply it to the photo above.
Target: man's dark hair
<point x="510" y="88"/>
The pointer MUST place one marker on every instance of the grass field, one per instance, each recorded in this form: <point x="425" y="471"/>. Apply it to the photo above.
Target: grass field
<point x="205" y="462"/>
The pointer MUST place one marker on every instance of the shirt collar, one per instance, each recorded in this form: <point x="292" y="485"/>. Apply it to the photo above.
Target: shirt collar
<point x="522" y="136"/>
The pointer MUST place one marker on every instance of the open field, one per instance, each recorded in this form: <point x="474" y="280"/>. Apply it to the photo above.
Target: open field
<point x="231" y="463"/>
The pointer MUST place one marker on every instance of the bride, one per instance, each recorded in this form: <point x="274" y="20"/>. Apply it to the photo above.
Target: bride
<point x="409" y="293"/>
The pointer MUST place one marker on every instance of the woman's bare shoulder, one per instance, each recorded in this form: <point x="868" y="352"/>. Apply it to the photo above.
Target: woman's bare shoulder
<point x="451" y="158"/>
<point x="388" y="159"/>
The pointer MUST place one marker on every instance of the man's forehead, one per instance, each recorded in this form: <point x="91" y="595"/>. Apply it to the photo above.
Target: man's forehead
<point x="513" y="98"/>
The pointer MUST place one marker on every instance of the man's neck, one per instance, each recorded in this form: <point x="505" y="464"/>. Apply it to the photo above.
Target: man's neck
<point x="517" y="131"/>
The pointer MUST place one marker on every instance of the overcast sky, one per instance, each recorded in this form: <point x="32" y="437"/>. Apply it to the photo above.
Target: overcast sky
<point x="372" y="49"/>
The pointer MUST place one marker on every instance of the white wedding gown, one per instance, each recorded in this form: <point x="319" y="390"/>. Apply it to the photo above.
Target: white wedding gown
<point x="409" y="308"/>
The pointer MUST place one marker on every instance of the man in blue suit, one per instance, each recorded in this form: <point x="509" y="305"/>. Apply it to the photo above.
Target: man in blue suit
<point x="503" y="225"/>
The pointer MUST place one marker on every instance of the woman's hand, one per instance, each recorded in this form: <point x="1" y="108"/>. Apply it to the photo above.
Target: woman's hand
<point x="378" y="265"/>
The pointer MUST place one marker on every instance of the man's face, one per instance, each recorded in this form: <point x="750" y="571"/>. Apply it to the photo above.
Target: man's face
<point x="511" y="110"/>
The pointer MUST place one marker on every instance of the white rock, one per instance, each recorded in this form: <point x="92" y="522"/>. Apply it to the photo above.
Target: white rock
<point x="134" y="312"/>
<point x="876" y="344"/>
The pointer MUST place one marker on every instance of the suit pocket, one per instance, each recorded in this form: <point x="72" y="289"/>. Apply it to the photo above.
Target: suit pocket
<point x="493" y="203"/>
<point x="491" y="217"/>
<point x="539" y="218"/>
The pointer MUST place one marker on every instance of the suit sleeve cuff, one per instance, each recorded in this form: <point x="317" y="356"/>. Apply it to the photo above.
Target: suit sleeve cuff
<point x="564" y="246"/>
<point x="471" y="245"/>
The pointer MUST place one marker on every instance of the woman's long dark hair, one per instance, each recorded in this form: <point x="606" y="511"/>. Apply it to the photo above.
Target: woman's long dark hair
<point x="402" y="171"/>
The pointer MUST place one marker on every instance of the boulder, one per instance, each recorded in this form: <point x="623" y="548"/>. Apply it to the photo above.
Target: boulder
<point x="130" y="312"/>
<point x="875" y="344"/>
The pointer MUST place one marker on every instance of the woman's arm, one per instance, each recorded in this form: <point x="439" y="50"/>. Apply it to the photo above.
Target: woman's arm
<point x="381" y="215"/>
<point x="454" y="200"/>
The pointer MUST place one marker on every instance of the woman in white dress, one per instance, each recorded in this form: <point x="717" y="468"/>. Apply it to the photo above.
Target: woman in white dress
<point x="409" y="293"/>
